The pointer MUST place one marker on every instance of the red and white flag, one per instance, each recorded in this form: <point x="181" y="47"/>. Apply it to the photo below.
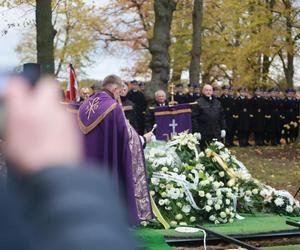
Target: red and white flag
<point x="72" y="88"/>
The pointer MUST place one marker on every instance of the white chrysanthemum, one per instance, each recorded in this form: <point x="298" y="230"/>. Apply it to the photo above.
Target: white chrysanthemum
<point x="216" y="185"/>
<point x="289" y="209"/>
<point x="173" y="193"/>
<point x="186" y="209"/>
<point x="208" y="196"/>
<point x="220" y="202"/>
<point x="219" y="193"/>
<point x="255" y="191"/>
<point x="221" y="174"/>
<point x="279" y="202"/>
<point x="201" y="193"/>
<point x="227" y="211"/>
<point x="227" y="201"/>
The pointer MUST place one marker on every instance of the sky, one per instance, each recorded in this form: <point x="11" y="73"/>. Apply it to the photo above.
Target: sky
<point x="104" y="65"/>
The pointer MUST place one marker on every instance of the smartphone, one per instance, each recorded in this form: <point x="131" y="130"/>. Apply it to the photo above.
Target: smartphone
<point x="30" y="72"/>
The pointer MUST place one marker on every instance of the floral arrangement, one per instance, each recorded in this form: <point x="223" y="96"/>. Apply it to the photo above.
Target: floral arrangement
<point x="190" y="187"/>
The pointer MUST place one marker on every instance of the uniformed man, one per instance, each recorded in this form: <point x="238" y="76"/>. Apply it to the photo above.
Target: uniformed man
<point x="228" y="103"/>
<point x="190" y="95"/>
<point x="197" y="91"/>
<point x="258" y="112"/>
<point x="179" y="96"/>
<point x="243" y="115"/>
<point x="292" y="112"/>
<point x="138" y="98"/>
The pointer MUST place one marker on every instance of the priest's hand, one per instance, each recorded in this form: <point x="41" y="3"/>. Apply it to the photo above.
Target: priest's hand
<point x="148" y="136"/>
<point x="39" y="131"/>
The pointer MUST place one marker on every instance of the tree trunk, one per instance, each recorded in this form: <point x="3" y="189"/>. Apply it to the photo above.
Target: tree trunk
<point x="160" y="42"/>
<point x="196" y="49"/>
<point x="265" y="68"/>
<point x="45" y="36"/>
<point x="176" y="75"/>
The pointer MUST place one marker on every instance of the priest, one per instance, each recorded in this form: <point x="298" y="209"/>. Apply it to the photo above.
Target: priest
<point x="101" y="120"/>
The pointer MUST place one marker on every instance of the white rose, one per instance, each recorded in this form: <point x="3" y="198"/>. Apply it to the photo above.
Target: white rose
<point x="227" y="211"/>
<point x="227" y="202"/>
<point x="201" y="154"/>
<point x="219" y="193"/>
<point x="186" y="209"/>
<point x="212" y="218"/>
<point x="208" y="195"/>
<point x="223" y="215"/>
<point x="217" y="206"/>
<point x="289" y="209"/>
<point x="211" y="179"/>
<point x="216" y="185"/>
<point x="162" y="185"/>
<point x="248" y="193"/>
<point x="161" y="202"/>
<point x="229" y="195"/>
<point x="178" y="204"/>
<point x="175" y="170"/>
<point x="167" y="202"/>
<point x="255" y="191"/>
<point x="220" y="202"/>
<point x="178" y="217"/>
<point x="221" y="174"/>
<point x="152" y="193"/>
<point x="173" y="223"/>
<point x="231" y="182"/>
<point x="163" y="194"/>
<point x="230" y="220"/>
<point x="207" y="208"/>
<point x="155" y="181"/>
<point x="201" y="193"/>
<point x="182" y="224"/>
<point x="168" y="208"/>
<point x="209" y="202"/>
<point x="217" y="222"/>
<point x="192" y="219"/>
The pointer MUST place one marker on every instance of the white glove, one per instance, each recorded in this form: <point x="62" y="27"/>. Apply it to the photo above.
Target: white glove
<point x="223" y="133"/>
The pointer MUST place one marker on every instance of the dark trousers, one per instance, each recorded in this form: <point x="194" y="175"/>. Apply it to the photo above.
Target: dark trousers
<point x="243" y="137"/>
<point x="259" y="138"/>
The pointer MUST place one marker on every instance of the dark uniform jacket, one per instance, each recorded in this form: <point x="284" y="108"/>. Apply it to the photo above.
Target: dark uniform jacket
<point x="259" y="112"/>
<point x="243" y="112"/>
<point x="180" y="98"/>
<point x="228" y="104"/>
<point x="208" y="118"/>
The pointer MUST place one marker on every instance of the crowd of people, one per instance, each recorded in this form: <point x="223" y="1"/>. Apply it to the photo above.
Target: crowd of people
<point x="262" y="116"/>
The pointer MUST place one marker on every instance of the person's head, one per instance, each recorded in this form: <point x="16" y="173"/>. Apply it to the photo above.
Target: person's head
<point x="114" y="84"/>
<point x="207" y="90"/>
<point x="135" y="85"/>
<point x="160" y="96"/>
<point x="124" y="90"/>
<point x="179" y="88"/>
<point x="191" y="88"/>
<point x="142" y="86"/>
<point x="243" y="92"/>
<point x="85" y="93"/>
<point x="197" y="89"/>
<point x="290" y="93"/>
<point x="225" y="90"/>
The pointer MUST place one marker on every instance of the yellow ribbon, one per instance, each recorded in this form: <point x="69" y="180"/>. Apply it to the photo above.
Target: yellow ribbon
<point x="221" y="162"/>
<point x="158" y="215"/>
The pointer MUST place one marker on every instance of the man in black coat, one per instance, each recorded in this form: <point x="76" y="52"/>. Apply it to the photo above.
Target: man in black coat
<point x="138" y="98"/>
<point x="243" y="116"/>
<point x="208" y="117"/>
<point x="190" y="95"/>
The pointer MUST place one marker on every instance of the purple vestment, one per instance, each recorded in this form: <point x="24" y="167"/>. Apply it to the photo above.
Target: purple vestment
<point x="102" y="121"/>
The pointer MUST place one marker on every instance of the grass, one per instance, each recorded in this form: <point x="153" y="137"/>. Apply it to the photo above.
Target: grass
<point x="278" y="166"/>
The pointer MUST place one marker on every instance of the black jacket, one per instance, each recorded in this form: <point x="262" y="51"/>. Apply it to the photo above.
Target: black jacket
<point x="208" y="118"/>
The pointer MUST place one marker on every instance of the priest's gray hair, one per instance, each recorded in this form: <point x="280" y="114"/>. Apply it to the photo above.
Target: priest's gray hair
<point x="112" y="80"/>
